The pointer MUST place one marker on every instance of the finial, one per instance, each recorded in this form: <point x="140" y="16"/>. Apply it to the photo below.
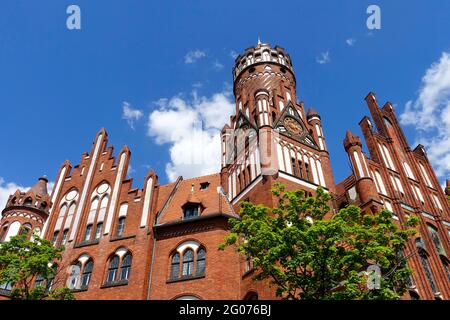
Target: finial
<point x="259" y="40"/>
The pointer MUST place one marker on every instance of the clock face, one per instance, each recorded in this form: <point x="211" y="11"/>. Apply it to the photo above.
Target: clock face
<point x="293" y="126"/>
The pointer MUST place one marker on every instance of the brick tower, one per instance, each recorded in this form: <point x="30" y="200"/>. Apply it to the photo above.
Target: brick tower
<point x="271" y="137"/>
<point x="26" y="212"/>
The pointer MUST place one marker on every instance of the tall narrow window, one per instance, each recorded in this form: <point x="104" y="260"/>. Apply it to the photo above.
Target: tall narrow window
<point x="201" y="262"/>
<point x="39" y="281"/>
<point x="446" y="266"/>
<point x="64" y="237"/>
<point x="87" y="233"/>
<point x="75" y="276"/>
<point x="188" y="263"/>
<point x="294" y="166"/>
<point x="126" y="267"/>
<point x="87" y="272"/>
<point x="25" y="229"/>
<point x="120" y="227"/>
<point x="51" y="278"/>
<point x="55" y="237"/>
<point x="436" y="240"/>
<point x="98" y="230"/>
<point x="112" y="269"/>
<point x="175" y="270"/>
<point x="426" y="265"/>
<point x="308" y="176"/>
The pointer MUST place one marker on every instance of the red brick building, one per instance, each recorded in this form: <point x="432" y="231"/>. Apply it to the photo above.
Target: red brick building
<point x="160" y="242"/>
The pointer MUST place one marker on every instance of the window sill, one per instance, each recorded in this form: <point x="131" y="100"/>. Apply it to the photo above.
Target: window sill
<point x="116" y="238"/>
<point x="87" y="243"/>
<point x="114" y="284"/>
<point x="82" y="289"/>
<point x="185" y="278"/>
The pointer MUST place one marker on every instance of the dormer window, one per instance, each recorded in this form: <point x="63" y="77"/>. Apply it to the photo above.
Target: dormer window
<point x="190" y="211"/>
<point x="28" y="202"/>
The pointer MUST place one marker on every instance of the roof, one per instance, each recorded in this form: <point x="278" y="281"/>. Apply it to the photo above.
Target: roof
<point x="174" y="196"/>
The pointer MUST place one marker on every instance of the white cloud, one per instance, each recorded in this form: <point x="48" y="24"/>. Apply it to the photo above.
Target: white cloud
<point x="192" y="129"/>
<point x="430" y="114"/>
<point x="323" y="58"/>
<point x="350" y="41"/>
<point x="218" y="66"/>
<point x="130" y="115"/>
<point x="7" y="189"/>
<point x="233" y="54"/>
<point x="193" y="56"/>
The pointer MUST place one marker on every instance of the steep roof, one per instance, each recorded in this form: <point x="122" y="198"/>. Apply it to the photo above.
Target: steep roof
<point x="174" y="196"/>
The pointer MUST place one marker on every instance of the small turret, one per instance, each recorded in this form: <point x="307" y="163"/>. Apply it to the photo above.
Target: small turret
<point x="365" y="186"/>
<point x="26" y="211"/>
<point x="447" y="187"/>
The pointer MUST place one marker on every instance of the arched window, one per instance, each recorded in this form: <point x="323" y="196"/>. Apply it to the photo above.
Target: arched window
<point x="103" y="206"/>
<point x="413" y="295"/>
<point x="120" y="226"/>
<point x="87" y="272"/>
<point x="87" y="233"/>
<point x="126" y="267"/>
<point x="28" y="202"/>
<point x="251" y="296"/>
<point x="43" y="205"/>
<point x="3" y="232"/>
<point x="51" y="278"/>
<point x="187" y="298"/>
<point x="188" y="263"/>
<point x="112" y="269"/>
<point x="25" y="229"/>
<point x="98" y="230"/>
<point x="425" y="264"/>
<point x="201" y="262"/>
<point x="446" y="264"/>
<point x="175" y="270"/>
<point x="74" y="278"/>
<point x="436" y="240"/>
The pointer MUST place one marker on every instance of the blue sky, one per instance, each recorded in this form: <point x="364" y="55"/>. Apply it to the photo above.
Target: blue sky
<point x="59" y="87"/>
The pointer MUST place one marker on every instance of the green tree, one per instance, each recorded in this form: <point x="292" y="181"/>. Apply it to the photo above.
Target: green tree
<point x="22" y="261"/>
<point x="309" y="257"/>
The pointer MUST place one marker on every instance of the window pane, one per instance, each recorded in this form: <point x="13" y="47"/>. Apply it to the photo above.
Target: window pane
<point x="426" y="267"/>
<point x="98" y="230"/>
<point x="87" y="233"/>
<point x="175" y="266"/>
<point x="188" y="263"/>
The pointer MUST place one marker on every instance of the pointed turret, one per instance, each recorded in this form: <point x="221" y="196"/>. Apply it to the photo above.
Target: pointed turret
<point x="351" y="140"/>
<point x="40" y="188"/>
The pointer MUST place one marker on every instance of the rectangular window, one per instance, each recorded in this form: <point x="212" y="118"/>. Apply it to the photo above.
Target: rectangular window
<point x="120" y="227"/>
<point x="188" y="268"/>
<point x="87" y="234"/>
<point x="64" y="237"/>
<point x="98" y="230"/>
<point x="111" y="275"/>
<point x="190" y="211"/>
